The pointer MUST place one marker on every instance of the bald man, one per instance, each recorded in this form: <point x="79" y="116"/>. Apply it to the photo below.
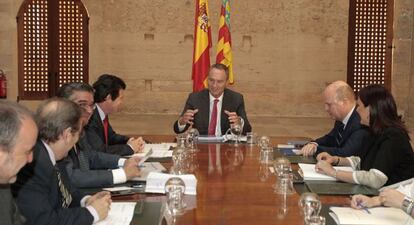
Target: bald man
<point x="347" y="135"/>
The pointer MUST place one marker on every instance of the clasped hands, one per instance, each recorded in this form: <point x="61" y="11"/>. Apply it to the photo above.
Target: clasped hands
<point x="324" y="164"/>
<point x="188" y="117"/>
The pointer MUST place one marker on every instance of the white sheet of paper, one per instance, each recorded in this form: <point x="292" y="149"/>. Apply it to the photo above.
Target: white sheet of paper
<point x="156" y="182"/>
<point x="148" y="167"/>
<point x="121" y="213"/>
<point x="158" y="150"/>
<point x="309" y="172"/>
<point x="122" y="188"/>
<point x="285" y="146"/>
<point x="379" y="215"/>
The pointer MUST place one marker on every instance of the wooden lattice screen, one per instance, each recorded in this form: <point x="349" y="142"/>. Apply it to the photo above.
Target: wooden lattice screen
<point x="53" y="46"/>
<point x="370" y="43"/>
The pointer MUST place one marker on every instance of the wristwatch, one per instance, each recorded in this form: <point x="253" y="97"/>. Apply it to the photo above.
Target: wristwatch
<point x="407" y="204"/>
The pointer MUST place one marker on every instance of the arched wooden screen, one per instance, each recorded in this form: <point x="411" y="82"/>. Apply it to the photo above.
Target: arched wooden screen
<point x="53" y="46"/>
<point x="370" y="43"/>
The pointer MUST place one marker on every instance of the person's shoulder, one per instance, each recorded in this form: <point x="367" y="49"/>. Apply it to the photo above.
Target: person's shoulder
<point x="230" y="92"/>
<point x="394" y="132"/>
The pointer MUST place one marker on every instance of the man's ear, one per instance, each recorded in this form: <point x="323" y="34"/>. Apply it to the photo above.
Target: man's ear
<point x="66" y="135"/>
<point x="108" y="97"/>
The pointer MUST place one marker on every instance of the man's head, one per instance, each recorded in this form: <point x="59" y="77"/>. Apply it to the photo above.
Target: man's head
<point x="338" y="99"/>
<point x="18" y="134"/>
<point x="82" y="95"/>
<point x="59" y="122"/>
<point x="218" y="77"/>
<point x="109" y="93"/>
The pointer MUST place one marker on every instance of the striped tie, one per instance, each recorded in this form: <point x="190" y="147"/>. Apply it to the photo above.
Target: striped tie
<point x="66" y="196"/>
<point x="340" y="130"/>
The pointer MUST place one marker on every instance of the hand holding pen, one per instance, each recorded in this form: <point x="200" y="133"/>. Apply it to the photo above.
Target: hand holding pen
<point x="363" y="202"/>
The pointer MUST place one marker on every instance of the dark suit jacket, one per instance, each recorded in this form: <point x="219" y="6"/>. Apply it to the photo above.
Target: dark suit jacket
<point x="89" y="168"/>
<point x="389" y="152"/>
<point x="232" y="101"/>
<point x="9" y="214"/>
<point x="38" y="195"/>
<point x="96" y="136"/>
<point x="352" y="138"/>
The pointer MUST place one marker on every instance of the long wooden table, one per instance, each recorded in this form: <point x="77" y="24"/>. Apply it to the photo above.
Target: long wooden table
<point x="234" y="189"/>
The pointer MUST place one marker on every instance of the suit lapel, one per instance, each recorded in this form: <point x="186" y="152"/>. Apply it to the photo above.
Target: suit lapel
<point x="205" y="107"/>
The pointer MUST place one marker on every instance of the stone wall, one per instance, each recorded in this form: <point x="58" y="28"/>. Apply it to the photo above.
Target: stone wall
<point x="284" y="52"/>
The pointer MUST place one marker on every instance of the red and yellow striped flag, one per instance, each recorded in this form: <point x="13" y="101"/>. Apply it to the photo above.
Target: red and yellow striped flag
<point x="224" y="55"/>
<point x="202" y="45"/>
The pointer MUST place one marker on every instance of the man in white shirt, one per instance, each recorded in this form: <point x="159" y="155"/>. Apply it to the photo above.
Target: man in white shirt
<point x="214" y="110"/>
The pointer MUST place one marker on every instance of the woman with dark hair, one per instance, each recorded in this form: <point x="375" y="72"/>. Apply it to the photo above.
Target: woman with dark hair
<point x="387" y="156"/>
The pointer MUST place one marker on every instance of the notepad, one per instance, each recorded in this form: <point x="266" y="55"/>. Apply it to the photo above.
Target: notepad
<point x="309" y="172"/>
<point x="377" y="216"/>
<point x="160" y="150"/>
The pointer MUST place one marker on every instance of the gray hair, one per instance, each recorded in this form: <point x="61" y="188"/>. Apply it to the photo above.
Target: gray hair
<point x="67" y="90"/>
<point x="55" y="115"/>
<point x="11" y="115"/>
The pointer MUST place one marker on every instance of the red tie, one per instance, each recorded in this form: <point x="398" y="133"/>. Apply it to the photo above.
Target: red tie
<point x="105" y="125"/>
<point x="213" y="121"/>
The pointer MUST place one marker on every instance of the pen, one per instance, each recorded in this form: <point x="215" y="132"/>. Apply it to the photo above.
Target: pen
<point x="361" y="206"/>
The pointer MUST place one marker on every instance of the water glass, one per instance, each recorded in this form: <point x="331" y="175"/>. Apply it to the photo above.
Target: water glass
<point x="250" y="138"/>
<point x="266" y="155"/>
<point x="174" y="189"/>
<point x="285" y="184"/>
<point x="310" y="204"/>
<point x="316" y="220"/>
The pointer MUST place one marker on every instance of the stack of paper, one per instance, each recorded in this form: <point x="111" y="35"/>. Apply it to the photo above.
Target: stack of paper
<point x="309" y="172"/>
<point x="376" y="216"/>
<point x="158" y="150"/>
<point x="156" y="182"/>
<point x="121" y="213"/>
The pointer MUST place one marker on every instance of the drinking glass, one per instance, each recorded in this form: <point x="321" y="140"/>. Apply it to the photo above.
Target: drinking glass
<point x="191" y="139"/>
<point x="263" y="142"/>
<point x="250" y="138"/>
<point x="316" y="220"/>
<point x="285" y="184"/>
<point x="174" y="189"/>
<point x="266" y="155"/>
<point x="236" y="131"/>
<point x="263" y="172"/>
<point x="310" y="204"/>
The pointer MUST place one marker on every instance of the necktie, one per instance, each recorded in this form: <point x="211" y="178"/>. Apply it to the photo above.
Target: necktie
<point x="105" y="125"/>
<point x="340" y="130"/>
<point x="213" y="120"/>
<point x="66" y="196"/>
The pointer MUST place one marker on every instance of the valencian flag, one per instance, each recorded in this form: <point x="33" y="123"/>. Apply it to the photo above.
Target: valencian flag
<point x="202" y="45"/>
<point x="224" y="55"/>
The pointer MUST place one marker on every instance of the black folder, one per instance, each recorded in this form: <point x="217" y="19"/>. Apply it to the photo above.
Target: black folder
<point x="339" y="188"/>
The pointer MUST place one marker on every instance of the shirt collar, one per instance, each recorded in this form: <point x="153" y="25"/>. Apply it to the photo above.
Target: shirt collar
<point x="219" y="98"/>
<point x="346" y="119"/>
<point x="50" y="152"/>
<point x="101" y="112"/>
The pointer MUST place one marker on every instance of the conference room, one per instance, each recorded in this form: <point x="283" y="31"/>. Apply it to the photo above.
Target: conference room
<point x="273" y="67"/>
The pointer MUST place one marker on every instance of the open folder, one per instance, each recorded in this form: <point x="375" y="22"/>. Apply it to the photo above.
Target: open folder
<point x="309" y="172"/>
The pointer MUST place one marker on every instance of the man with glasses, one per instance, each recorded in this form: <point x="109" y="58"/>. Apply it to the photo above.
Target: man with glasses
<point x="88" y="167"/>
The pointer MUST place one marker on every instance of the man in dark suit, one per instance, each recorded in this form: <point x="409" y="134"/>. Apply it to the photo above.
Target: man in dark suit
<point x="18" y="133"/>
<point x="346" y="137"/>
<point x="109" y="95"/>
<point x="86" y="166"/>
<point x="225" y="106"/>
<point x="43" y="191"/>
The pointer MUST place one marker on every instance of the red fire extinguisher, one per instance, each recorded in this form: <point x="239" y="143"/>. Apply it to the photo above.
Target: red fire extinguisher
<point x="3" y="85"/>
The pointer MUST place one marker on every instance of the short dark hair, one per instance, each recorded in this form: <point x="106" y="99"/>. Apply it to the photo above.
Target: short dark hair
<point x="11" y="115"/>
<point x="220" y="66"/>
<point x="67" y="90"/>
<point x="382" y="108"/>
<point x="55" y="115"/>
<point x="107" y="84"/>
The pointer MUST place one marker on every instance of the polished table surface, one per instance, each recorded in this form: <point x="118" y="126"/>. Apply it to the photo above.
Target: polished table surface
<point x="233" y="187"/>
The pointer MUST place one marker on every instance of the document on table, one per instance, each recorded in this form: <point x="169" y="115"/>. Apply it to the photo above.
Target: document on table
<point x="148" y="167"/>
<point x="309" y="172"/>
<point x="121" y="213"/>
<point x="156" y="182"/>
<point x="160" y="150"/>
<point x="377" y="216"/>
